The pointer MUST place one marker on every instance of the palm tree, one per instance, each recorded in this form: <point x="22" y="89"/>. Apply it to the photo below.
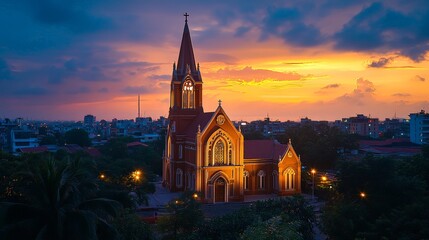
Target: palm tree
<point x="59" y="205"/>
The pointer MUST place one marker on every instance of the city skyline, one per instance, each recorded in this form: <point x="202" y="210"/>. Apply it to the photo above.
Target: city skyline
<point x="324" y="60"/>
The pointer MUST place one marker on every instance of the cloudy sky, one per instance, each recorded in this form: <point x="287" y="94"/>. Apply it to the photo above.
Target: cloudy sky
<point x="61" y="60"/>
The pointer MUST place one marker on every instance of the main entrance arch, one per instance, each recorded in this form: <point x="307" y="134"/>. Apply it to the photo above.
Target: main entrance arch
<point x="220" y="190"/>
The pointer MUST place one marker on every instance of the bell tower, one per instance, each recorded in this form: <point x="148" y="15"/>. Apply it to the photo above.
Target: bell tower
<point x="186" y="82"/>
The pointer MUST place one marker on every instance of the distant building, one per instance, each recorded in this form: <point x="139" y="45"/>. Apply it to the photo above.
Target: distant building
<point x="89" y="120"/>
<point x="362" y="125"/>
<point x="419" y="127"/>
<point x="23" y="139"/>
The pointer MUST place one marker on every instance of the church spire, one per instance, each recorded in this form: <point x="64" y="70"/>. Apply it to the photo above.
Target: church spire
<point x="186" y="54"/>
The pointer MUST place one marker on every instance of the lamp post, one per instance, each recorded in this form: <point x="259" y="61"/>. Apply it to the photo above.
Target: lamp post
<point x="313" y="171"/>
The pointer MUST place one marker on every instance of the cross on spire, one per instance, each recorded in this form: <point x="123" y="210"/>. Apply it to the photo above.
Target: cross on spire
<point x="186" y="17"/>
<point x="220" y="103"/>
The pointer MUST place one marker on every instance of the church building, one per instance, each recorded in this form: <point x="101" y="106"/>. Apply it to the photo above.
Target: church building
<point x="206" y="153"/>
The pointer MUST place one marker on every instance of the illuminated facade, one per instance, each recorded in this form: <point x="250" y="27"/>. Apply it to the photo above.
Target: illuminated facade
<point x="205" y="152"/>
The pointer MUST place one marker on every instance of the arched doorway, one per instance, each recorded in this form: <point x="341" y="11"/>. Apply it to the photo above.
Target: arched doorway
<point x="220" y="190"/>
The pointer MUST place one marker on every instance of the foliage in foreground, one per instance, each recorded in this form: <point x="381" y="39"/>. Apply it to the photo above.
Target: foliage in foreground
<point x="58" y="203"/>
<point x="395" y="202"/>
<point x="289" y="216"/>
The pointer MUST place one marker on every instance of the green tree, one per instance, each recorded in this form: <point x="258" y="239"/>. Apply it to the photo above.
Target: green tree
<point x="59" y="204"/>
<point x="185" y="216"/>
<point x="78" y="136"/>
<point x="273" y="229"/>
<point x="131" y="227"/>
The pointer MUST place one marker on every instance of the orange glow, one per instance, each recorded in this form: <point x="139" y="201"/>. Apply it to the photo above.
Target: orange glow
<point x="362" y="195"/>
<point x="102" y="176"/>
<point x="324" y="178"/>
<point x="136" y="175"/>
<point x="313" y="171"/>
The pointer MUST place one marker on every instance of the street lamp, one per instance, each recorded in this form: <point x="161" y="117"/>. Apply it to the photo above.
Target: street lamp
<point x="362" y="195"/>
<point x="313" y="171"/>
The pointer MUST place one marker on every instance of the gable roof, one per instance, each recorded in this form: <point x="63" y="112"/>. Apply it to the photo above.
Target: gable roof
<point x="263" y="149"/>
<point x="202" y="120"/>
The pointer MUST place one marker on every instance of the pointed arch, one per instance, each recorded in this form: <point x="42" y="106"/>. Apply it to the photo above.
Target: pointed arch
<point x="179" y="178"/>
<point x="246" y="180"/>
<point x="219" y="149"/>
<point x="261" y="179"/>
<point x="289" y="179"/>
<point x="188" y="94"/>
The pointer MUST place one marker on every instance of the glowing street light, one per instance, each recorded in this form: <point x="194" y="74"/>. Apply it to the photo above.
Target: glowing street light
<point x="324" y="178"/>
<point x="313" y="171"/>
<point x="195" y="195"/>
<point x="102" y="176"/>
<point x="362" y="195"/>
<point x="136" y="175"/>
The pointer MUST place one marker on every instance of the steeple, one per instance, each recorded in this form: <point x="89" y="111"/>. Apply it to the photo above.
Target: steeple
<point x="186" y="54"/>
<point x="186" y="83"/>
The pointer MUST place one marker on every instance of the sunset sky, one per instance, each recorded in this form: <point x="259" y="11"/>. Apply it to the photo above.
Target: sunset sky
<point x="61" y="60"/>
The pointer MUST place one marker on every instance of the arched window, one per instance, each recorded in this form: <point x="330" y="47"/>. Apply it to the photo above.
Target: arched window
<point x="261" y="179"/>
<point x="289" y="179"/>
<point x="180" y="151"/>
<point x="246" y="180"/>
<point x="188" y="98"/>
<point x="219" y="150"/>
<point x="219" y="153"/>
<point x="179" y="177"/>
<point x="275" y="180"/>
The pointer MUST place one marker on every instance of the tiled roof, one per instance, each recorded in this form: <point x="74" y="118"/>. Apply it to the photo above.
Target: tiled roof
<point x="263" y="149"/>
<point x="135" y="144"/>
<point x="202" y="120"/>
<point x="39" y="149"/>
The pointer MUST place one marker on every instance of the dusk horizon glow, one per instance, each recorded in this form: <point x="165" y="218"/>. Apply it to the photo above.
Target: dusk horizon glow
<point x="324" y="60"/>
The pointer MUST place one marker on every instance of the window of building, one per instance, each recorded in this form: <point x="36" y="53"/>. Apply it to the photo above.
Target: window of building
<point x="246" y="180"/>
<point x="179" y="177"/>
<point x="180" y="151"/>
<point x="173" y="127"/>
<point x="219" y="153"/>
<point x="289" y="179"/>
<point x="188" y="95"/>
<point x="261" y="179"/>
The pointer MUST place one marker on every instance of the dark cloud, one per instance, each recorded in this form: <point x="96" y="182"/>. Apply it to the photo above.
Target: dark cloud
<point x="288" y="24"/>
<point x="420" y="78"/>
<point x="159" y="77"/>
<point x="329" y="86"/>
<point x="241" y="31"/>
<point x="401" y="94"/>
<point x="380" y="63"/>
<point x="136" y="90"/>
<point x="80" y="90"/>
<point x="380" y="28"/>
<point x="32" y="91"/>
<point x="72" y="15"/>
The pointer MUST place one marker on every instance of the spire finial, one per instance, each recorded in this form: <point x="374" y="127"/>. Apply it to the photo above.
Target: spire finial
<point x="220" y="103"/>
<point x="199" y="128"/>
<point x="186" y="17"/>
<point x="290" y="141"/>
